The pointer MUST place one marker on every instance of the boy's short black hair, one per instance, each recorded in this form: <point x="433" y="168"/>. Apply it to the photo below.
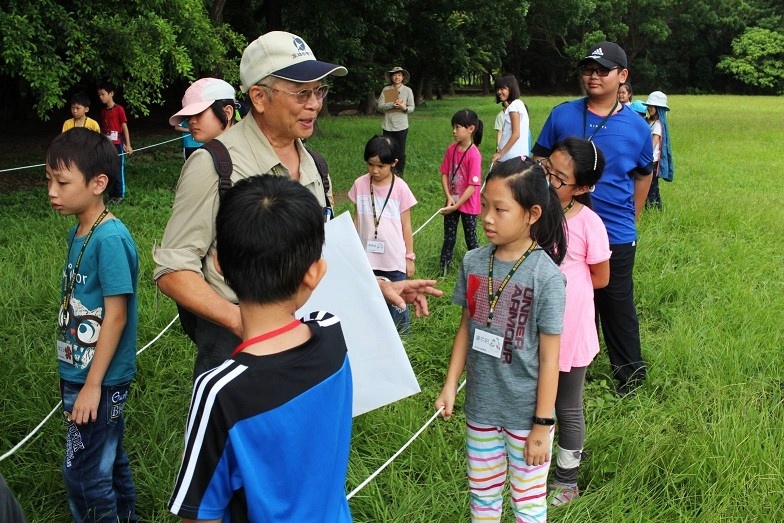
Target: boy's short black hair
<point x="269" y="231"/>
<point x="88" y="151"/>
<point x="81" y="99"/>
<point x="106" y="86"/>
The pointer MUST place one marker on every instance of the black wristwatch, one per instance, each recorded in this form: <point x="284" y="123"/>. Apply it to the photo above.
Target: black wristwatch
<point x="543" y="421"/>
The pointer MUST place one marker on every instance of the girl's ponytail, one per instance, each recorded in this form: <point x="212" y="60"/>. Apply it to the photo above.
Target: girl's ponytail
<point x="549" y="231"/>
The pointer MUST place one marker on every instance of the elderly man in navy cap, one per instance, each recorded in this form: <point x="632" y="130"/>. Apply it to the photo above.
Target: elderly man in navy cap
<point x="286" y="90"/>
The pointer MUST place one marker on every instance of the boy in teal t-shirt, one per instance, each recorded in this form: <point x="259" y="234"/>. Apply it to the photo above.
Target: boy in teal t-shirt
<point x="97" y="324"/>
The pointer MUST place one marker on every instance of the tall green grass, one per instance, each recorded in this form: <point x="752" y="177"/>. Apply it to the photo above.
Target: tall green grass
<point x="701" y="441"/>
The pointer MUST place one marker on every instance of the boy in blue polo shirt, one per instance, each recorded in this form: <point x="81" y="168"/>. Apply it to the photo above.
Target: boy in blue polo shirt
<point x="96" y="342"/>
<point x="618" y="198"/>
<point x="269" y="430"/>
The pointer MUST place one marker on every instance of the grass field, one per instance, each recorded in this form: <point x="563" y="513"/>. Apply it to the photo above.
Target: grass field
<point x="700" y="442"/>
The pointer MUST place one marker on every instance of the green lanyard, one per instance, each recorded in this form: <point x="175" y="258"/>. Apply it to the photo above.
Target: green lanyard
<point x="568" y="207"/>
<point x="377" y="219"/>
<point x="69" y="285"/>
<point x="492" y="298"/>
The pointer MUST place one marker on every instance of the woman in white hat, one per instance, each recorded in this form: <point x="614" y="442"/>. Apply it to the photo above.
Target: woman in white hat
<point x="397" y="102"/>
<point x="662" y="153"/>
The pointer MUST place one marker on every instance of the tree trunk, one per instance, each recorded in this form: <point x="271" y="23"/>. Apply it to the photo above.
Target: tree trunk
<point x="368" y="105"/>
<point x="216" y="11"/>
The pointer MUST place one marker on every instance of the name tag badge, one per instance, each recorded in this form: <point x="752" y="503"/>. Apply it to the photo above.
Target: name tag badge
<point x="64" y="351"/>
<point x="114" y="135"/>
<point x="488" y="343"/>
<point x="375" y="246"/>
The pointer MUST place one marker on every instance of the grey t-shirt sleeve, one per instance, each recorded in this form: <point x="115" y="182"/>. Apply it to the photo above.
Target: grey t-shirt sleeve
<point x="551" y="304"/>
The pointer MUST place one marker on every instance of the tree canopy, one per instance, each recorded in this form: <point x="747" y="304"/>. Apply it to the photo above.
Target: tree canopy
<point x="51" y="48"/>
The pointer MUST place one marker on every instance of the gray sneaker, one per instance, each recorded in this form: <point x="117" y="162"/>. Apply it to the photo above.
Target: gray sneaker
<point x="562" y="494"/>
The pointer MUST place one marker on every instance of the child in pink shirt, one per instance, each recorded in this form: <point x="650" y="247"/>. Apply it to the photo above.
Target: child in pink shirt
<point x="461" y="179"/>
<point x="573" y="168"/>
<point x="382" y="216"/>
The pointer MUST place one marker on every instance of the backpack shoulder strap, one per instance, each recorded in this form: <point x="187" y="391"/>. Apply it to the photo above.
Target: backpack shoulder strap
<point x="323" y="170"/>
<point x="223" y="164"/>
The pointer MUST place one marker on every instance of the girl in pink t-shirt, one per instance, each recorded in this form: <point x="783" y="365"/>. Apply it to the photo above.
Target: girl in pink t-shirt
<point x="461" y="178"/>
<point x="573" y="168"/>
<point x="382" y="216"/>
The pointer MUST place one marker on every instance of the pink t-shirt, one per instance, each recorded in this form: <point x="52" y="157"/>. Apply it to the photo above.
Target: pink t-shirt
<point x="464" y="169"/>
<point x="587" y="245"/>
<point x="390" y="226"/>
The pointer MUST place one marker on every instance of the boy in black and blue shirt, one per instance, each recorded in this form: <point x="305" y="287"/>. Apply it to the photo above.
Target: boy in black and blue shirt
<point x="269" y="430"/>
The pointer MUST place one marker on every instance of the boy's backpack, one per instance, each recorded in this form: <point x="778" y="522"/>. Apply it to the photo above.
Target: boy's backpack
<point x="224" y="167"/>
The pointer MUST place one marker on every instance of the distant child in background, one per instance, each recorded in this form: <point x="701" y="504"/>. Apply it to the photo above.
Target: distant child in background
<point x="208" y="109"/>
<point x="513" y="295"/>
<point x="499" y="125"/>
<point x="80" y="106"/>
<point x="625" y="93"/>
<point x="269" y="430"/>
<point x="639" y="108"/>
<point x="662" y="151"/>
<point x="114" y="124"/>
<point x="96" y="341"/>
<point x="515" y="135"/>
<point x="461" y="178"/>
<point x="382" y="216"/>
<point x="573" y="168"/>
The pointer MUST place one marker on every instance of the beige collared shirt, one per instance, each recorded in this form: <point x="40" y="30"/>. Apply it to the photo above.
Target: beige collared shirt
<point x="188" y="242"/>
<point x="395" y="119"/>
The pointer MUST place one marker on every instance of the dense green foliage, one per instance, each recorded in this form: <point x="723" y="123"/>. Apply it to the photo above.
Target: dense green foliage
<point x="51" y="48"/>
<point x="699" y="443"/>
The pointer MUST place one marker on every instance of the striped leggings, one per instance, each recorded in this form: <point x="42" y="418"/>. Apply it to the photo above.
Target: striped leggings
<point x="491" y="451"/>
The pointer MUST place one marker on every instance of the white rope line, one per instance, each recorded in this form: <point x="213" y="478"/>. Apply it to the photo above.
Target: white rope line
<point x="401" y="449"/>
<point x="121" y="154"/>
<point x="153" y="145"/>
<point x="428" y="221"/>
<point x="59" y="404"/>
<point x="159" y="335"/>
<point x="35" y="430"/>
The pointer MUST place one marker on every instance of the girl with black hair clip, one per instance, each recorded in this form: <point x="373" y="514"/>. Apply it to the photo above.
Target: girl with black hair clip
<point x="573" y="168"/>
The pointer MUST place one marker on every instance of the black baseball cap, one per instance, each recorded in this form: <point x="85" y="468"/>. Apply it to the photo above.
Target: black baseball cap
<point x="607" y="54"/>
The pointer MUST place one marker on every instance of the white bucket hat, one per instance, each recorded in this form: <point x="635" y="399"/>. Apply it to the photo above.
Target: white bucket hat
<point x="657" y="99"/>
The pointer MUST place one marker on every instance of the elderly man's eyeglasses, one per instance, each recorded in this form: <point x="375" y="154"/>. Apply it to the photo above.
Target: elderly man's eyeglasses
<point x="304" y="95"/>
<point x="587" y="70"/>
<point x="555" y="180"/>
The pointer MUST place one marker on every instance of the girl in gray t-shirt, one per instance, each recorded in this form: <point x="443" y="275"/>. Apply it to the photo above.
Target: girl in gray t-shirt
<point x="513" y="297"/>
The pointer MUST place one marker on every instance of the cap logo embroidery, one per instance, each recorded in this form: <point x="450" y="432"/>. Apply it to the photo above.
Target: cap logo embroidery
<point x="301" y="47"/>
<point x="598" y="52"/>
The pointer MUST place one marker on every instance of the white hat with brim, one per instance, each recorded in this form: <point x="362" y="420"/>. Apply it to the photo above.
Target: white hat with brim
<point x="284" y="55"/>
<point x="657" y="99"/>
<point x="201" y="95"/>
<point x="397" y="69"/>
